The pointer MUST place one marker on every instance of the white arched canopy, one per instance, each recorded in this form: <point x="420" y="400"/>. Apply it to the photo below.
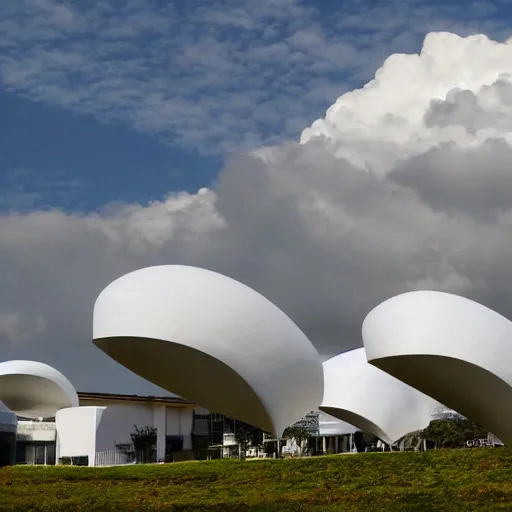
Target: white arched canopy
<point x="32" y="389"/>
<point x="451" y="348"/>
<point x="212" y="340"/>
<point x="370" y="399"/>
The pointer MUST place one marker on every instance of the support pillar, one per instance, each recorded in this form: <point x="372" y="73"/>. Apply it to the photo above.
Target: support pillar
<point x="160" y="422"/>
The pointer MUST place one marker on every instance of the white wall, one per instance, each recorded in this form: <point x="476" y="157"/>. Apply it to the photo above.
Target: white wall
<point x="118" y="421"/>
<point x="186" y="419"/>
<point x="76" y="432"/>
<point x="86" y="430"/>
<point x="179" y="423"/>
<point x="159" y="422"/>
<point x="174" y="421"/>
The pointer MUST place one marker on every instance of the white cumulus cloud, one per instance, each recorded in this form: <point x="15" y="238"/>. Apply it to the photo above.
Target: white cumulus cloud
<point x="222" y="75"/>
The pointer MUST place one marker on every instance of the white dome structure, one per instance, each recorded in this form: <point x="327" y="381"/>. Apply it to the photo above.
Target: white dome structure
<point x="451" y="348"/>
<point x="212" y="340"/>
<point x="33" y="389"/>
<point x="371" y="400"/>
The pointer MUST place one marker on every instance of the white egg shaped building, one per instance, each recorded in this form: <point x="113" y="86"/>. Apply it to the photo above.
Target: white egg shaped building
<point x="212" y="340"/>
<point x="32" y="389"/>
<point x="371" y="400"/>
<point x="450" y="348"/>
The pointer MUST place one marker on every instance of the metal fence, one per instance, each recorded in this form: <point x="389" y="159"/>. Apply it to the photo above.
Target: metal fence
<point x="113" y="458"/>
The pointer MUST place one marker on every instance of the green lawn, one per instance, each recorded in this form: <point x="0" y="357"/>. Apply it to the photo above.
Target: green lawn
<point x="471" y="479"/>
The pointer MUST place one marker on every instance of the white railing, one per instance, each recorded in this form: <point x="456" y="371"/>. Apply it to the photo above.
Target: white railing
<point x="36" y="425"/>
<point x="112" y="458"/>
<point x="36" y="431"/>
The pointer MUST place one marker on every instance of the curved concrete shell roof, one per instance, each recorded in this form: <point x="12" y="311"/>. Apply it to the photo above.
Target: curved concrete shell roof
<point x="451" y="348"/>
<point x="373" y="401"/>
<point x="33" y="389"/>
<point x="212" y="340"/>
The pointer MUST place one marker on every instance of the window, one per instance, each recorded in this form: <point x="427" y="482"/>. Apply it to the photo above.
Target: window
<point x="35" y="452"/>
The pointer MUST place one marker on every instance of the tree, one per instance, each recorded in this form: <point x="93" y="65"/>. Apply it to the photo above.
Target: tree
<point x="127" y="449"/>
<point x="144" y="443"/>
<point x="298" y="432"/>
<point x="453" y="432"/>
<point x="246" y="435"/>
<point x="411" y="441"/>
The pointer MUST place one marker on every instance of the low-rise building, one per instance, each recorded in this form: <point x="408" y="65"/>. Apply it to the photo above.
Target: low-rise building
<point x="103" y="438"/>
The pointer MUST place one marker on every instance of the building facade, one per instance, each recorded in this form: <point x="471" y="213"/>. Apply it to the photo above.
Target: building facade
<point x="98" y="433"/>
<point x="107" y="441"/>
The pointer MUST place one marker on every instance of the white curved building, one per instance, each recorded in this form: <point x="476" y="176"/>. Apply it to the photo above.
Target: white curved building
<point x="371" y="400"/>
<point x="32" y="389"/>
<point x="212" y="340"/>
<point x="451" y="348"/>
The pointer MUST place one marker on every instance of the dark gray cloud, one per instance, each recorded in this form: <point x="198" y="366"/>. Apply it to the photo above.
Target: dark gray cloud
<point x="476" y="181"/>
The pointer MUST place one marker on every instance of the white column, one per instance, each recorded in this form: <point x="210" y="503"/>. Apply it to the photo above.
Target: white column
<point x="95" y="418"/>
<point x="57" y="447"/>
<point x="324" y="446"/>
<point x="160" y="422"/>
<point x="186" y="417"/>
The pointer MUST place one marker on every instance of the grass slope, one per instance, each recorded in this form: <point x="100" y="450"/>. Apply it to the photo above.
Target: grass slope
<point x="477" y="479"/>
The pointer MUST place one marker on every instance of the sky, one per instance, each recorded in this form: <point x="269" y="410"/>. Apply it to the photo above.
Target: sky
<point x="328" y="154"/>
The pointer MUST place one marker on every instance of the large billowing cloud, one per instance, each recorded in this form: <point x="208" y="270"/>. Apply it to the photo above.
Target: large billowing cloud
<point x="405" y="184"/>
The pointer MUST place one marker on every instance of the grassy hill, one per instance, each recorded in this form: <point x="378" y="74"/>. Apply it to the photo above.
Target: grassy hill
<point x="471" y="479"/>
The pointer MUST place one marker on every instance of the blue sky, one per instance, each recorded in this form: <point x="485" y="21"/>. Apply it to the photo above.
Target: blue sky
<point x="131" y="99"/>
<point x="76" y="162"/>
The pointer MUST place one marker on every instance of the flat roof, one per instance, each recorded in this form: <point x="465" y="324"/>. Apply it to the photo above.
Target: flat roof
<point x="118" y="397"/>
